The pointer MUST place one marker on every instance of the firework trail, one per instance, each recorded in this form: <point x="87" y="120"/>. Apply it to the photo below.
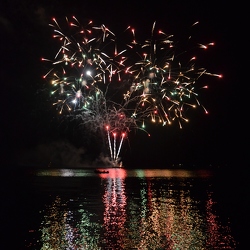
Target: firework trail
<point x="156" y="86"/>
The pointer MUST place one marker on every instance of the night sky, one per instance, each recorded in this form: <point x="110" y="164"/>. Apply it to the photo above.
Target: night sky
<point x="31" y="131"/>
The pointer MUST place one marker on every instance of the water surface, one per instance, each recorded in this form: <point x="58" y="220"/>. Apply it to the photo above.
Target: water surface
<point x="122" y="209"/>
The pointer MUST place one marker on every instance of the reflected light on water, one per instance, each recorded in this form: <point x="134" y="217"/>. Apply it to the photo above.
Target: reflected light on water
<point x="140" y="213"/>
<point x="171" y="173"/>
<point x="115" y="173"/>
<point x="122" y="173"/>
<point x="114" y="216"/>
<point x="64" y="172"/>
<point x="65" y="229"/>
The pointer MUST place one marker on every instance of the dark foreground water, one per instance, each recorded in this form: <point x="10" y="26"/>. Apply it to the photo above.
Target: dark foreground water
<point x="123" y="209"/>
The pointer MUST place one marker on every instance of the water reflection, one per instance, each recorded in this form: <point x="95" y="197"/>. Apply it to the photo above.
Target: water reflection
<point x="122" y="173"/>
<point x="219" y="236"/>
<point x="142" y="212"/>
<point x="114" y="216"/>
<point x="63" y="228"/>
<point x="170" y="218"/>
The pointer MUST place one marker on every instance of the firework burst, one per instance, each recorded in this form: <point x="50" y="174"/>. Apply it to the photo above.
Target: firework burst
<point x="86" y="60"/>
<point x="156" y="85"/>
<point x="162" y="87"/>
